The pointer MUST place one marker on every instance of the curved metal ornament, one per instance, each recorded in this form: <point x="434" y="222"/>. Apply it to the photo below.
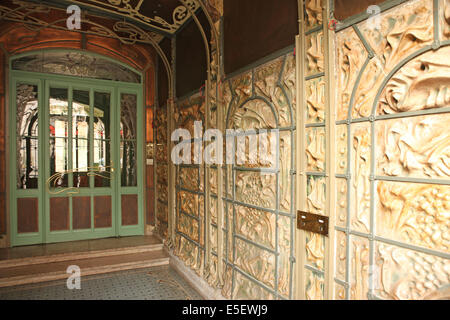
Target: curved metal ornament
<point x="123" y="8"/>
<point x="51" y="183"/>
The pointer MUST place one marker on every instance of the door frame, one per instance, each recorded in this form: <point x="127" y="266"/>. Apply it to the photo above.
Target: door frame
<point x="43" y="81"/>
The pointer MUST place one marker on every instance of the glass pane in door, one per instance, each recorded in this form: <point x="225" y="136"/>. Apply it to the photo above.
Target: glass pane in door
<point x="59" y="111"/>
<point x="128" y="140"/>
<point x="27" y="136"/>
<point x="102" y="139"/>
<point x="80" y="140"/>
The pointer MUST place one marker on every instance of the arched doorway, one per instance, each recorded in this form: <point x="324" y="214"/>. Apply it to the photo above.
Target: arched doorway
<point x="76" y="148"/>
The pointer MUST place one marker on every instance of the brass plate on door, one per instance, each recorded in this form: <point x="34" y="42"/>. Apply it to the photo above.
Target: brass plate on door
<point x="312" y="222"/>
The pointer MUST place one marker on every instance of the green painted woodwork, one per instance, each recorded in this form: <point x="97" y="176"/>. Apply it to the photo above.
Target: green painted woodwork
<point x="44" y="82"/>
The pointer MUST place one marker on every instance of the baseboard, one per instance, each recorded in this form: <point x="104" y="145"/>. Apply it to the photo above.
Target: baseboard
<point x="197" y="282"/>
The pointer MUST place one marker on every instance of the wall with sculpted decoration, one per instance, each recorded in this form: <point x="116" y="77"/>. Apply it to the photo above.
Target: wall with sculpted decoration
<point x="393" y="155"/>
<point x="259" y="201"/>
<point x="190" y="191"/>
<point x="246" y="253"/>
<point x="162" y="172"/>
<point x="372" y="154"/>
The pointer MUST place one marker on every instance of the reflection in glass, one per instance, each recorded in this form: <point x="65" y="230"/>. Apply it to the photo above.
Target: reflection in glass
<point x="59" y="107"/>
<point x="27" y="136"/>
<point x="128" y="140"/>
<point x="102" y="142"/>
<point x="80" y="134"/>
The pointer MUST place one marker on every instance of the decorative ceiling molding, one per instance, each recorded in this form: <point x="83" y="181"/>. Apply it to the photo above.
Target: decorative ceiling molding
<point x="124" y="9"/>
<point x="125" y="32"/>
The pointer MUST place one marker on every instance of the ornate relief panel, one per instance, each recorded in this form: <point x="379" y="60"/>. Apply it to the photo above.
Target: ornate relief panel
<point x="190" y="224"/>
<point x="414" y="147"/>
<point x="396" y="227"/>
<point x="261" y="244"/>
<point x="312" y="134"/>
<point x="162" y="172"/>
<point x="407" y="274"/>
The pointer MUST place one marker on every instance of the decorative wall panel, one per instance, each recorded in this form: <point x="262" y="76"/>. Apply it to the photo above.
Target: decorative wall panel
<point x="259" y="202"/>
<point x="314" y="53"/>
<point x="396" y="110"/>
<point x="408" y="274"/>
<point x="312" y="147"/>
<point x="190" y="223"/>
<point x="414" y="147"/>
<point x="162" y="171"/>
<point x="414" y="213"/>
<point x="315" y="91"/>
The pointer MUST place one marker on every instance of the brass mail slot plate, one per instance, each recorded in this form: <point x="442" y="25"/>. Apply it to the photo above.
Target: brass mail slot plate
<point x="312" y="222"/>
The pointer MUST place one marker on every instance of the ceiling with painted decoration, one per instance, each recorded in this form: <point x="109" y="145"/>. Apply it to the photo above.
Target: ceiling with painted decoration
<point x="161" y="18"/>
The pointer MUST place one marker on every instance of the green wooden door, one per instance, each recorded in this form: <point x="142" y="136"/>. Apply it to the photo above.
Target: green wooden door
<point x="76" y="153"/>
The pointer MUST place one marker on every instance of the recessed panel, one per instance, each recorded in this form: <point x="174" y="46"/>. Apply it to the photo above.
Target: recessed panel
<point x="27" y="215"/>
<point x="102" y="212"/>
<point x="130" y="210"/>
<point x="59" y="214"/>
<point x="81" y="213"/>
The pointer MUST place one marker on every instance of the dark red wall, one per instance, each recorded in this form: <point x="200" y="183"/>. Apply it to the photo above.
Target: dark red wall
<point x="253" y="29"/>
<point x="191" y="56"/>
<point x="347" y="8"/>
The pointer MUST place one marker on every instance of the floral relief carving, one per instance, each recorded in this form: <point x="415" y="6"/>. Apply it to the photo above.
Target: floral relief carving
<point x="359" y="276"/>
<point x="285" y="174"/>
<point x="189" y="178"/>
<point x="316" y="198"/>
<point x="241" y="89"/>
<point x="360" y="210"/>
<point x="213" y="181"/>
<point x="314" y="16"/>
<point x="315" y="150"/>
<point x="444" y="18"/>
<point x="341" y="255"/>
<point x="188" y="112"/>
<point x="213" y="209"/>
<point x="256" y="225"/>
<point x="341" y="149"/>
<point x="314" y="286"/>
<point x="341" y="205"/>
<point x="315" y="100"/>
<point x="404" y="30"/>
<point x="314" y="53"/>
<point x="409" y="275"/>
<point x="188" y="203"/>
<point x="423" y="83"/>
<point x="417" y="214"/>
<point x="188" y="253"/>
<point x="255" y="114"/>
<point x="351" y="55"/>
<point x="289" y="81"/>
<point x="256" y="189"/>
<point x="284" y="243"/>
<point x="315" y="250"/>
<point x="246" y="290"/>
<point x="417" y="147"/>
<point x="188" y="226"/>
<point x="258" y="263"/>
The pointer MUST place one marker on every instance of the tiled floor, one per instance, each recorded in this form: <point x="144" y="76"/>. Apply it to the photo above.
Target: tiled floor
<point x="158" y="283"/>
